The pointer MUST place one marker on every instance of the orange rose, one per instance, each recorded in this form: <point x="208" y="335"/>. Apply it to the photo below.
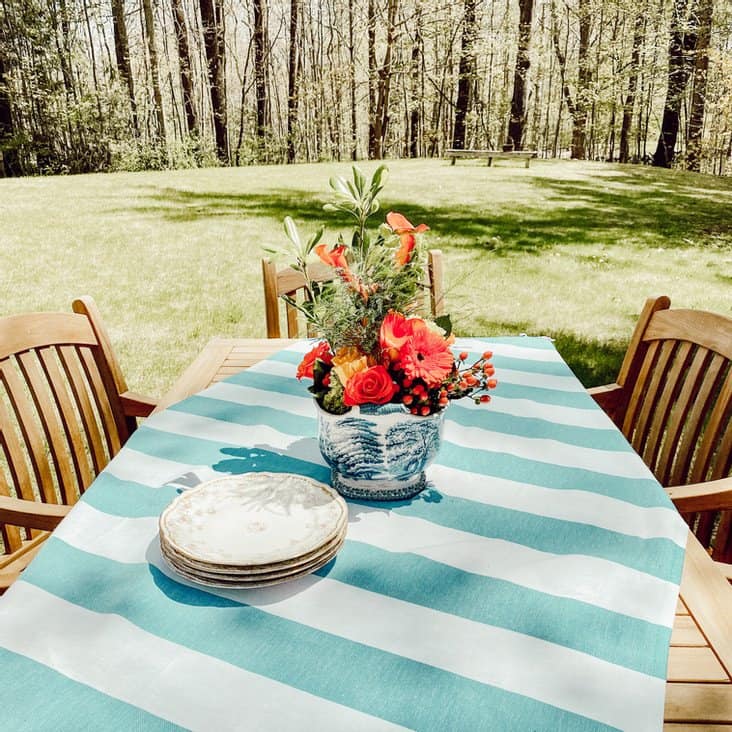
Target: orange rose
<point x="349" y="361"/>
<point x="320" y="351"/>
<point x="372" y="386"/>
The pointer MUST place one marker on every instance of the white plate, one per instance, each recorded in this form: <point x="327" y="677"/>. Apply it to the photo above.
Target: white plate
<point x="238" y="581"/>
<point x="293" y="565"/>
<point x="253" y="519"/>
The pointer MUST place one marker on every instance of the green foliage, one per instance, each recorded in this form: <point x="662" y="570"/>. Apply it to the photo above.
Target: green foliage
<point x="349" y="310"/>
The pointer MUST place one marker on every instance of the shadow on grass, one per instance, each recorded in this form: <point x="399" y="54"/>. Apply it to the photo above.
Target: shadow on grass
<point x="638" y="206"/>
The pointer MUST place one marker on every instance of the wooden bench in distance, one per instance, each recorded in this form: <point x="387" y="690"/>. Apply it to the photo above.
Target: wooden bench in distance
<point x="490" y="154"/>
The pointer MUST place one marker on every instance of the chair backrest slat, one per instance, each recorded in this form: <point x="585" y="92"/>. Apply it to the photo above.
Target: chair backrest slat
<point x="47" y="415"/>
<point x="685" y="399"/>
<point x="114" y="429"/>
<point x="14" y="453"/>
<point x="33" y="437"/>
<point x="59" y="385"/>
<point x="10" y="535"/>
<point x="693" y="426"/>
<point x="668" y="402"/>
<point x="717" y="424"/>
<point x="70" y="360"/>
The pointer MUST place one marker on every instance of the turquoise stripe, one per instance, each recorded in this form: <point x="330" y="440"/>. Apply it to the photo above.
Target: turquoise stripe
<point x="544" y="395"/>
<point x="639" y="491"/>
<point x="657" y="557"/>
<point x="126" y="498"/>
<point x="559" y="620"/>
<point x="547" y="368"/>
<point x="285" y="385"/>
<point x="37" y="698"/>
<point x="226" y="411"/>
<point x="237" y="459"/>
<point x="281" y="385"/>
<point x="223" y="458"/>
<point x="349" y="673"/>
<point x="488" y="419"/>
<point x="539" y="532"/>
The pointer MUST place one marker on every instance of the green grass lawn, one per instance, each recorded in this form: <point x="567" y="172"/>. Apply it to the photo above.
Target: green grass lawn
<point x="565" y="249"/>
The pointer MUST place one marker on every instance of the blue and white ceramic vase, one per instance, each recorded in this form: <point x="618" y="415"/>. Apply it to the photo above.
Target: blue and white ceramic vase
<point x="379" y="452"/>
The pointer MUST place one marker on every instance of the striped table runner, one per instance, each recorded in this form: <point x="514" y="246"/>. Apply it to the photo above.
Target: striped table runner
<point x="532" y="586"/>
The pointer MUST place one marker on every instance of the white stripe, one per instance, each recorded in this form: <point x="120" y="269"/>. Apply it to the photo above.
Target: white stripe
<point x="186" y="687"/>
<point x="508" y="350"/>
<point x="139" y="467"/>
<point x="576" y="505"/>
<point x="258" y="436"/>
<point x="592" y="580"/>
<point x="591" y="418"/>
<point x="250" y="397"/>
<point x="624" y="464"/>
<point x="303" y="406"/>
<point x="522" y="664"/>
<point x="504" y="376"/>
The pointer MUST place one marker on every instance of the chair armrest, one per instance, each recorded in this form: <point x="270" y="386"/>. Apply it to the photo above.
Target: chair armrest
<point x="31" y="514"/>
<point x="609" y="397"/>
<point x="137" y="405"/>
<point x="714" y="495"/>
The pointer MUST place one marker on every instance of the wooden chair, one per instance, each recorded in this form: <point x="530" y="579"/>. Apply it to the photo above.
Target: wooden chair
<point x="673" y="402"/>
<point x="65" y="411"/>
<point x="287" y="281"/>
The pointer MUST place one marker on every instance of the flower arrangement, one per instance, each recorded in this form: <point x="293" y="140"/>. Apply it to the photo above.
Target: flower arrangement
<point x="374" y="347"/>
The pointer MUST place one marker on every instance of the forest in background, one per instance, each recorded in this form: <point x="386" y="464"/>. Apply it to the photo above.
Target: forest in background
<point x="95" y="85"/>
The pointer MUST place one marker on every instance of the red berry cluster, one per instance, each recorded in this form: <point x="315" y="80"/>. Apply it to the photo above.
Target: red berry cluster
<point x="462" y="381"/>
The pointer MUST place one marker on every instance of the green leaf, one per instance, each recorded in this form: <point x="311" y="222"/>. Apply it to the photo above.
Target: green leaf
<point x="339" y="185"/>
<point x="291" y="231"/>
<point x="378" y="179"/>
<point x="360" y="180"/>
<point x="445" y="323"/>
<point x="314" y="239"/>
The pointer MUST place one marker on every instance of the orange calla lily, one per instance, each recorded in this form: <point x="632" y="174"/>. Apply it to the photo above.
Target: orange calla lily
<point x="401" y="226"/>
<point x="335" y="257"/>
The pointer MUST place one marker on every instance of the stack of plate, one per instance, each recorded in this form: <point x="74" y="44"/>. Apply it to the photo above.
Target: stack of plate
<point x="253" y="530"/>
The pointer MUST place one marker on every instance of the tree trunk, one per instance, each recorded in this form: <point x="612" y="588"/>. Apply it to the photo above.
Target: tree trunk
<point x="381" y="113"/>
<point x="466" y="75"/>
<point x="185" y="66"/>
<point x="352" y="80"/>
<point x="629" y="103"/>
<point x="292" y="72"/>
<point x="518" y="100"/>
<point x="414" y="101"/>
<point x="122" y="51"/>
<point x="152" y="49"/>
<point x="682" y="41"/>
<point x="212" y="21"/>
<point x="371" y="35"/>
<point x="11" y="165"/>
<point x="698" y="97"/>
<point x="261" y="75"/>
<point x="584" y="76"/>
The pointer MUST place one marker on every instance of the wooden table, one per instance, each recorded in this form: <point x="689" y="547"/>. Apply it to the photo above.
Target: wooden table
<point x="699" y="687"/>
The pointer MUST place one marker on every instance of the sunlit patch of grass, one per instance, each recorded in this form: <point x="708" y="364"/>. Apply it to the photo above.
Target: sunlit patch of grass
<point x="564" y="249"/>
